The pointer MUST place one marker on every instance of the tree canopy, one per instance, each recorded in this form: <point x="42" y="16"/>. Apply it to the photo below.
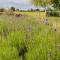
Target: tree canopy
<point x="56" y="3"/>
<point x="12" y="8"/>
<point x="41" y="2"/>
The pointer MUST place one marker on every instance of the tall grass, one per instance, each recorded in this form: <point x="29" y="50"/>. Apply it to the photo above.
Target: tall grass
<point x="28" y="38"/>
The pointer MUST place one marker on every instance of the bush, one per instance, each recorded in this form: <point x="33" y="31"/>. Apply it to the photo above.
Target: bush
<point x="9" y="12"/>
<point x="12" y="8"/>
<point x="2" y="10"/>
<point x="53" y="13"/>
<point x="1" y="13"/>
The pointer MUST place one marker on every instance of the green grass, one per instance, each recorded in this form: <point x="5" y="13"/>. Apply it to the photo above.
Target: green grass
<point x="30" y="37"/>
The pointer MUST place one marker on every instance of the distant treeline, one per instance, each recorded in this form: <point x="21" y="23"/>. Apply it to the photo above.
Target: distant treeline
<point x="53" y="13"/>
<point x="31" y="10"/>
<point x="14" y="9"/>
<point x="11" y="10"/>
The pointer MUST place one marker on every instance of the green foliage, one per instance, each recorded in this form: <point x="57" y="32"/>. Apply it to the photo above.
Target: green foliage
<point x="41" y="2"/>
<point x="56" y="4"/>
<point x="2" y="9"/>
<point x="53" y="13"/>
<point x="12" y="8"/>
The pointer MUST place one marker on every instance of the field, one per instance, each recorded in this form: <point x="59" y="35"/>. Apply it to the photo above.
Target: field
<point x="32" y="36"/>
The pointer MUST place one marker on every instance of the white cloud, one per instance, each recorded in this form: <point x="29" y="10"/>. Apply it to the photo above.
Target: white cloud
<point x="22" y="4"/>
<point x="17" y="1"/>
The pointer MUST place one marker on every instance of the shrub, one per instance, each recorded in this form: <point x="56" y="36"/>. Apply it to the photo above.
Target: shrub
<point x="52" y="13"/>
<point x="12" y="8"/>
<point x="2" y="10"/>
<point x="9" y="12"/>
<point x="1" y="13"/>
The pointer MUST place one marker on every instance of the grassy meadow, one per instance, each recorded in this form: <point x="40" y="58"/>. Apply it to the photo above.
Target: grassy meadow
<point x="32" y="36"/>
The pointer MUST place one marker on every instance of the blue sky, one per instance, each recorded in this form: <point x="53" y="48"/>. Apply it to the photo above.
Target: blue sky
<point x="22" y="4"/>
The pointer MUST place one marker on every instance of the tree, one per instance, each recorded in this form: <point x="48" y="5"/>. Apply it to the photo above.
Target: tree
<point x="17" y="10"/>
<point x="2" y="10"/>
<point x="56" y="3"/>
<point x="12" y="8"/>
<point x="31" y="9"/>
<point x="41" y="2"/>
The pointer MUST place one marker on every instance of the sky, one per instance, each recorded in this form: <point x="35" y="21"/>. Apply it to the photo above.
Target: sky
<point x="21" y="4"/>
